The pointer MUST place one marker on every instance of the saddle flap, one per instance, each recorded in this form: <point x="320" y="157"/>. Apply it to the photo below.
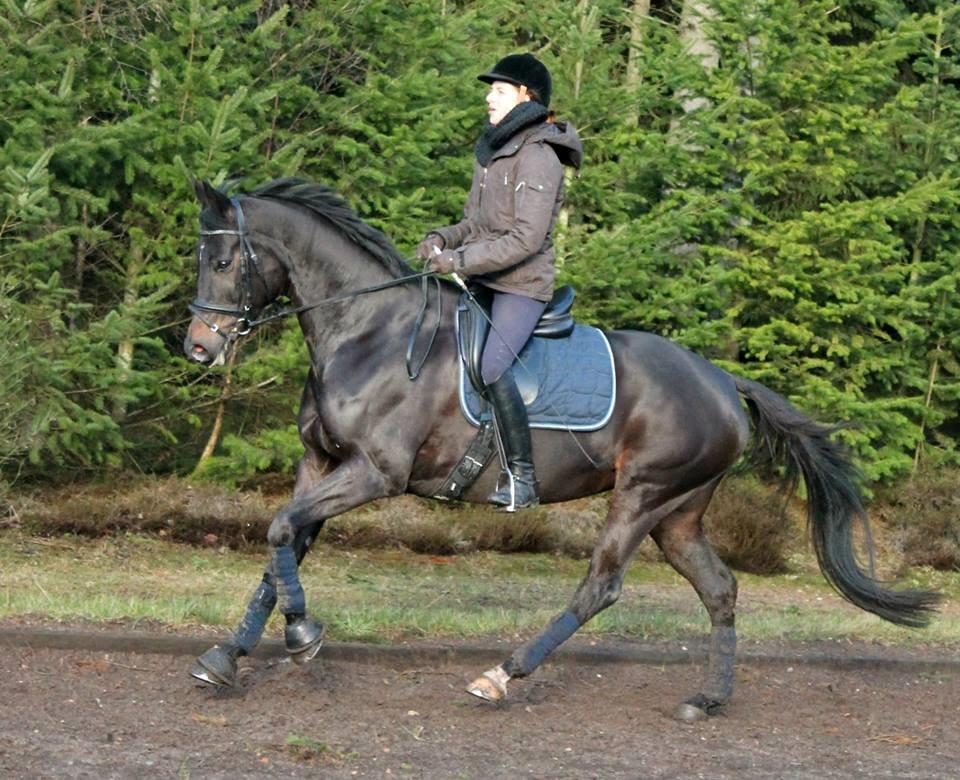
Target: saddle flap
<point x="473" y="327"/>
<point x="556" y="322"/>
<point x="472" y="330"/>
<point x="566" y="384"/>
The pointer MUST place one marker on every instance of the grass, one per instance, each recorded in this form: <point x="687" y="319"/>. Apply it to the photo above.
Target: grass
<point x="391" y="595"/>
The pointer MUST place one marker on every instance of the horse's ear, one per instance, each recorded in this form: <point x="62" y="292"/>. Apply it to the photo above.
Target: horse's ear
<point x="211" y="198"/>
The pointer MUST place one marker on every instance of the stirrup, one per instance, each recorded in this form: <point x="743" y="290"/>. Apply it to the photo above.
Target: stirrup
<point x="516" y="494"/>
<point x="501" y="495"/>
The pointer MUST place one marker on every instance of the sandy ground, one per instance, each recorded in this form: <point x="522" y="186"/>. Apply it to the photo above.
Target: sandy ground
<point x="89" y="713"/>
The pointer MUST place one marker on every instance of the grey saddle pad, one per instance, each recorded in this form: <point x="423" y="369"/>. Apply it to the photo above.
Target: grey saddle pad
<point x="565" y="383"/>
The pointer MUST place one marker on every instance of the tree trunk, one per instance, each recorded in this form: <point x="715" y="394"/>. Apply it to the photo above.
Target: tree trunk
<point x="639" y="13"/>
<point x="125" y="350"/>
<point x="927" y="402"/>
<point x="563" y="218"/>
<point x="695" y="41"/>
<point x="214" y="437"/>
<point x="698" y="45"/>
<point x="79" y="263"/>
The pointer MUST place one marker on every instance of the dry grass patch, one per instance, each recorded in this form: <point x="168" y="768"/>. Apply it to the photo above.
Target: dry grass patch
<point x="170" y="508"/>
<point x="916" y="524"/>
<point x="438" y="528"/>
<point x="923" y="518"/>
<point x="751" y="527"/>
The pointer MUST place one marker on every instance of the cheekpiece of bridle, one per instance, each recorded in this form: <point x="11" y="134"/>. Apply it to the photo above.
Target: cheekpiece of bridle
<point x="249" y="263"/>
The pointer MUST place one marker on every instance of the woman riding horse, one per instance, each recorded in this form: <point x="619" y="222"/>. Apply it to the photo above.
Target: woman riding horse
<point x="504" y="244"/>
<point x="678" y="424"/>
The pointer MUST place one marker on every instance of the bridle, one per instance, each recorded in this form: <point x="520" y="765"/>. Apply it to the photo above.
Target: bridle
<point x="250" y="264"/>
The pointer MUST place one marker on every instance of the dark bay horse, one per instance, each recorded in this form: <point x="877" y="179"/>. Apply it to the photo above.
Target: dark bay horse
<point x="678" y="425"/>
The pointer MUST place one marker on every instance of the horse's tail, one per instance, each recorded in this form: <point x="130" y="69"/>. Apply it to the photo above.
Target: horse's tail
<point x="804" y="448"/>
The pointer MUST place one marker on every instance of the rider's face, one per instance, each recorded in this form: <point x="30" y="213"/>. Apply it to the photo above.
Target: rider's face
<point x="502" y="98"/>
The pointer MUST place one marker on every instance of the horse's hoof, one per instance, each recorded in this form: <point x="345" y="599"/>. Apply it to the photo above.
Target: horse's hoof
<point x="690" y="713"/>
<point x="490" y="686"/>
<point x="216" y="667"/>
<point x="303" y="639"/>
<point x="697" y="708"/>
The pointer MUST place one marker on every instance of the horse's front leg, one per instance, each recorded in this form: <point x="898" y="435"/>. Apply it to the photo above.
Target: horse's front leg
<point x="353" y="483"/>
<point x="218" y="665"/>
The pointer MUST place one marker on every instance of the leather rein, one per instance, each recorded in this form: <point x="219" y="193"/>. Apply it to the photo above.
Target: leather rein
<point x="245" y="317"/>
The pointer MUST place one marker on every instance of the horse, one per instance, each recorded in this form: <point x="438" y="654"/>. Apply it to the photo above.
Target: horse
<point x="678" y="425"/>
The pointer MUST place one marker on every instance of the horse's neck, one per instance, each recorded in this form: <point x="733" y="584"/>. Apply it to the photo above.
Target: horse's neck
<point x="329" y="265"/>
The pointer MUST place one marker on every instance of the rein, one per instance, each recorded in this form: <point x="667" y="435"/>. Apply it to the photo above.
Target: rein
<point x="249" y="262"/>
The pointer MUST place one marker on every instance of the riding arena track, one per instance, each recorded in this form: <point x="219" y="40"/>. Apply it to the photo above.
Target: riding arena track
<point x="117" y="704"/>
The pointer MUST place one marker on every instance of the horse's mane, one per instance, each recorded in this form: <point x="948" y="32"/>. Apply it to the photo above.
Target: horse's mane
<point x="325" y="202"/>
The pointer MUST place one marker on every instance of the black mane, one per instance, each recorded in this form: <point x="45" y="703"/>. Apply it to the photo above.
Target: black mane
<point x="325" y="202"/>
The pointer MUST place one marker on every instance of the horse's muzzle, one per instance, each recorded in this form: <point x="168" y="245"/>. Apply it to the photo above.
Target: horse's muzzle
<point x="205" y="345"/>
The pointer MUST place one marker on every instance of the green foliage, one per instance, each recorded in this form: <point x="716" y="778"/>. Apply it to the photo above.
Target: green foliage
<point x="798" y="222"/>
<point x="268" y="450"/>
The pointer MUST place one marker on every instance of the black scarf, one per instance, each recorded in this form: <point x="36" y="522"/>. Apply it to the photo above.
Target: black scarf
<point x="493" y="137"/>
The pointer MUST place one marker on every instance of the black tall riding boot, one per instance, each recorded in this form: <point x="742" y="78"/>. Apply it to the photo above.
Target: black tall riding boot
<point x="513" y="429"/>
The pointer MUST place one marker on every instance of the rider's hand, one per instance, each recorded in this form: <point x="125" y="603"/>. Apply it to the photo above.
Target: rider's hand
<point x="432" y="244"/>
<point x="442" y="263"/>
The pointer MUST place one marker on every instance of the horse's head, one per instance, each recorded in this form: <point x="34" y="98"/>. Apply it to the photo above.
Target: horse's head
<point x="237" y="276"/>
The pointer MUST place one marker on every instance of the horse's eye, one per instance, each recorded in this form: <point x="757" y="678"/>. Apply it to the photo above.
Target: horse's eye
<point x="223" y="263"/>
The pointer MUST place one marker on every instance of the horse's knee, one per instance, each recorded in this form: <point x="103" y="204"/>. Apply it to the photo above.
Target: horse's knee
<point x="282" y="530"/>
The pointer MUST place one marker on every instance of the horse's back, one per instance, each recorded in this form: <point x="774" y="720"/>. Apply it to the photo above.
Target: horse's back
<point x="657" y="359"/>
<point x="687" y="403"/>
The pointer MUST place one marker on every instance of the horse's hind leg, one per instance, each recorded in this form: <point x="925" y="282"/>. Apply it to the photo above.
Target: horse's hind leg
<point x="218" y="665"/>
<point x="624" y="530"/>
<point x="680" y="536"/>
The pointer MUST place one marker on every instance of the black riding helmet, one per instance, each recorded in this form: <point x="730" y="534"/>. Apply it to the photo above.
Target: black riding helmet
<point x="522" y="70"/>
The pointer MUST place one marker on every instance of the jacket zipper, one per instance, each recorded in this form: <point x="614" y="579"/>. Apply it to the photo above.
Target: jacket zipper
<point x="483" y="187"/>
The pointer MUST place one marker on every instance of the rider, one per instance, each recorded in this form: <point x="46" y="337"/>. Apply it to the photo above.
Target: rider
<point x="504" y="242"/>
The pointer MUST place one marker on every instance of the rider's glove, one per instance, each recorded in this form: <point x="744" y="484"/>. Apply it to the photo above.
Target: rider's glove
<point x="442" y="263"/>
<point x="432" y="244"/>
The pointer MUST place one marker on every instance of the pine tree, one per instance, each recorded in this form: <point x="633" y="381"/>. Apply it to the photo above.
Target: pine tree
<point x="799" y="226"/>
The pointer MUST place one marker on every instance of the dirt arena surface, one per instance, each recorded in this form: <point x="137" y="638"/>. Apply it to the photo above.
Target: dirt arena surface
<point x="96" y="714"/>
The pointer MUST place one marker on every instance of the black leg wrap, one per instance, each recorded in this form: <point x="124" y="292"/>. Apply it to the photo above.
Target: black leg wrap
<point x="248" y="633"/>
<point x="529" y="657"/>
<point x="289" y="590"/>
<point x="718" y="685"/>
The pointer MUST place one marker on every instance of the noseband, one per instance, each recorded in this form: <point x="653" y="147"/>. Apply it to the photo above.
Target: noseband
<point x="248" y="264"/>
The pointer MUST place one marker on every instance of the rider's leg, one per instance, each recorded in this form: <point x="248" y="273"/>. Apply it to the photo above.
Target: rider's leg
<point x="514" y="318"/>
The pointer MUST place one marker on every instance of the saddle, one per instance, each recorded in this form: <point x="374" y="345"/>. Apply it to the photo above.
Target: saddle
<point x="473" y="327"/>
<point x="565" y="375"/>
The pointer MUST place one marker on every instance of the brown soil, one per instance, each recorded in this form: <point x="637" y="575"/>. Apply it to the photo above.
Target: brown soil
<point x="81" y="714"/>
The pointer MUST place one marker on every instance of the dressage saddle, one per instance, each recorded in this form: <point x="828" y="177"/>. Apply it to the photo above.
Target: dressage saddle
<point x="473" y="326"/>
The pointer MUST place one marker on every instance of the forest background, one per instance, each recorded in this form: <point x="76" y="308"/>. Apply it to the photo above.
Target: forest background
<point x="771" y="183"/>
